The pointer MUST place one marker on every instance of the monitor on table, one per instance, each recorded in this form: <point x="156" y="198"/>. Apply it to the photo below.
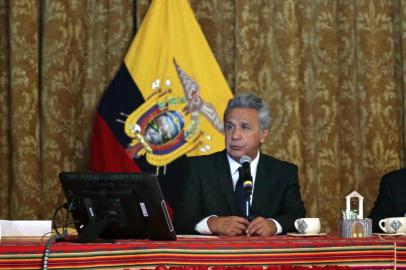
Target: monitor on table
<point x="117" y="206"/>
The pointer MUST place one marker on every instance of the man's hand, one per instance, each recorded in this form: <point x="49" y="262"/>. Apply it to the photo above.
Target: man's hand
<point x="229" y="226"/>
<point x="262" y="227"/>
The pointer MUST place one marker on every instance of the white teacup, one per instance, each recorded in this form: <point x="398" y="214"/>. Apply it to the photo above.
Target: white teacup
<point x="308" y="225"/>
<point x="393" y="225"/>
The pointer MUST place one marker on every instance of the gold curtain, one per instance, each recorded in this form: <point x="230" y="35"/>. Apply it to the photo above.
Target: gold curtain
<point x="332" y="72"/>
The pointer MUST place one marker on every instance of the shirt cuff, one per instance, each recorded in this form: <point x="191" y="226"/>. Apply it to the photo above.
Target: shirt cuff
<point x="202" y="227"/>
<point x="278" y="226"/>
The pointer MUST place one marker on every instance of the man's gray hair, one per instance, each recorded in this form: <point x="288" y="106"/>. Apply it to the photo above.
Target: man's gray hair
<point x="252" y="101"/>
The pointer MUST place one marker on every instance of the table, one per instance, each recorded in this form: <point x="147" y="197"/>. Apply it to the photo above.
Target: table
<point x="375" y="252"/>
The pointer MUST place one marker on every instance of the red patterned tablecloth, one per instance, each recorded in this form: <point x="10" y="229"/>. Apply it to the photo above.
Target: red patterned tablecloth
<point x="357" y="253"/>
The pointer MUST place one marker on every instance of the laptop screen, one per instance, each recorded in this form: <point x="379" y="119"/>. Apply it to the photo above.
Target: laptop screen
<point x="117" y="206"/>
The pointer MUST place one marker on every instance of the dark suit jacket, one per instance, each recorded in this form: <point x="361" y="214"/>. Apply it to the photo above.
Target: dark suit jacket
<point x="208" y="190"/>
<point x="391" y="200"/>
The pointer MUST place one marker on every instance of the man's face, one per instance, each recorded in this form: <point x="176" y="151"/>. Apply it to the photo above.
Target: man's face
<point x="242" y="133"/>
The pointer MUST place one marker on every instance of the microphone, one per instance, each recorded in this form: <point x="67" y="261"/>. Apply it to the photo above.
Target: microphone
<point x="246" y="184"/>
<point x="246" y="174"/>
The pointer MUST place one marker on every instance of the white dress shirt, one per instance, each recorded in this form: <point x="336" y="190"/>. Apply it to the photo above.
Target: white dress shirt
<point x="202" y="227"/>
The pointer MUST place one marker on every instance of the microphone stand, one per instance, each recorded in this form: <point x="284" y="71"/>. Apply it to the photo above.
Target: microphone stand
<point x="247" y="185"/>
<point x="248" y="214"/>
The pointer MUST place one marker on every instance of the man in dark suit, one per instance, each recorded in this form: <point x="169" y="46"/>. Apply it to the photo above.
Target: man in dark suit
<point x="208" y="203"/>
<point x="391" y="200"/>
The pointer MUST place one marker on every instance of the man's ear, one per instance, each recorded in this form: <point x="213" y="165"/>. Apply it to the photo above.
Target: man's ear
<point x="263" y="134"/>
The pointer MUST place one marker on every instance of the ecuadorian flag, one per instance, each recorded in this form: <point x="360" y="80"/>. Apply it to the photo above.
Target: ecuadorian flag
<point x="166" y="101"/>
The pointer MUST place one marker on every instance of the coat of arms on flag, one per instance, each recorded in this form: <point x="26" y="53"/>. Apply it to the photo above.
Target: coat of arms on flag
<point x="167" y="125"/>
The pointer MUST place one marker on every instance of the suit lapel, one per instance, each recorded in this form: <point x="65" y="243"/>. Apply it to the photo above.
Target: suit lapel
<point x="226" y="183"/>
<point x="262" y="181"/>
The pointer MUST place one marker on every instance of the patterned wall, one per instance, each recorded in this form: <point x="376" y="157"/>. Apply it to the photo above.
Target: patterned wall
<point x="332" y="72"/>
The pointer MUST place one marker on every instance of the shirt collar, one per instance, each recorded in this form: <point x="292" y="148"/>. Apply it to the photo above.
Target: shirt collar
<point x="234" y="165"/>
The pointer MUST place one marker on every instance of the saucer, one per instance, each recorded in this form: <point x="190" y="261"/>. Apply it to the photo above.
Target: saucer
<point x="306" y="234"/>
<point x="390" y="234"/>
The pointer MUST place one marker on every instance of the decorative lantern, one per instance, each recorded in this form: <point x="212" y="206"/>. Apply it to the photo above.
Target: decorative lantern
<point x="353" y="223"/>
